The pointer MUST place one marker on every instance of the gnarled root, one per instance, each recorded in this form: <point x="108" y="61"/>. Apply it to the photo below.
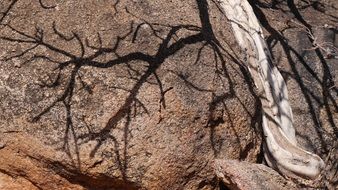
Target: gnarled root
<point x="281" y="152"/>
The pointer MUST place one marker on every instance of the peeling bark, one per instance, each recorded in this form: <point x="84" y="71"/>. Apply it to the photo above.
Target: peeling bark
<point x="281" y="150"/>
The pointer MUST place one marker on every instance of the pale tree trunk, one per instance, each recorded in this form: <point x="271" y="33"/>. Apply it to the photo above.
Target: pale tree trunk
<point x="281" y="150"/>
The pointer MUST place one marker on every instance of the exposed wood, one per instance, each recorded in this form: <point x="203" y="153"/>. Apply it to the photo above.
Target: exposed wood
<point x="281" y="149"/>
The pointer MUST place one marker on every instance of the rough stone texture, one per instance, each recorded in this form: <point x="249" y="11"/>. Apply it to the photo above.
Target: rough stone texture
<point x="246" y="176"/>
<point x="11" y="183"/>
<point x="157" y="119"/>
<point x="310" y="73"/>
<point x="170" y="100"/>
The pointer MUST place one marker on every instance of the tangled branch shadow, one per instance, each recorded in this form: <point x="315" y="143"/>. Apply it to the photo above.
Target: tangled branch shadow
<point x="321" y="93"/>
<point x="72" y="63"/>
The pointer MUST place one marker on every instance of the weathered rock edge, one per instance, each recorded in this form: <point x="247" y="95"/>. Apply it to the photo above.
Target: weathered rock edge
<point x="245" y="176"/>
<point x="281" y="150"/>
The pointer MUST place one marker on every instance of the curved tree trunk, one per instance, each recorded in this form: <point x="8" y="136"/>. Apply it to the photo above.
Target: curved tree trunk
<point x="281" y="150"/>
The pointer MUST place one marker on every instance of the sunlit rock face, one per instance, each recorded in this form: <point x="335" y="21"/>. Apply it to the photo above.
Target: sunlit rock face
<point x="137" y="94"/>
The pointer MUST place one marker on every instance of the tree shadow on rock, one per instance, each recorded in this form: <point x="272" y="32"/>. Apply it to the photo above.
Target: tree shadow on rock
<point x="67" y="76"/>
<point x="312" y="67"/>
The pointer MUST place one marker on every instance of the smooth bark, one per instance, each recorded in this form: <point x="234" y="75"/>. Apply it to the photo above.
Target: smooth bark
<point x="281" y="149"/>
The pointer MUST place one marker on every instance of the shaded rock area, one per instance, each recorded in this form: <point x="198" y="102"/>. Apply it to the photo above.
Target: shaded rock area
<point x="302" y="41"/>
<point x="146" y="94"/>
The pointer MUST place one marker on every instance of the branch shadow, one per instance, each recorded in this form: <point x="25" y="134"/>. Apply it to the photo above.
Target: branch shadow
<point x="7" y="10"/>
<point x="131" y="106"/>
<point x="321" y="93"/>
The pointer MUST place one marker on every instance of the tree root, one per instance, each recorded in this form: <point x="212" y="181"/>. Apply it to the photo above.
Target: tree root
<point x="281" y="150"/>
